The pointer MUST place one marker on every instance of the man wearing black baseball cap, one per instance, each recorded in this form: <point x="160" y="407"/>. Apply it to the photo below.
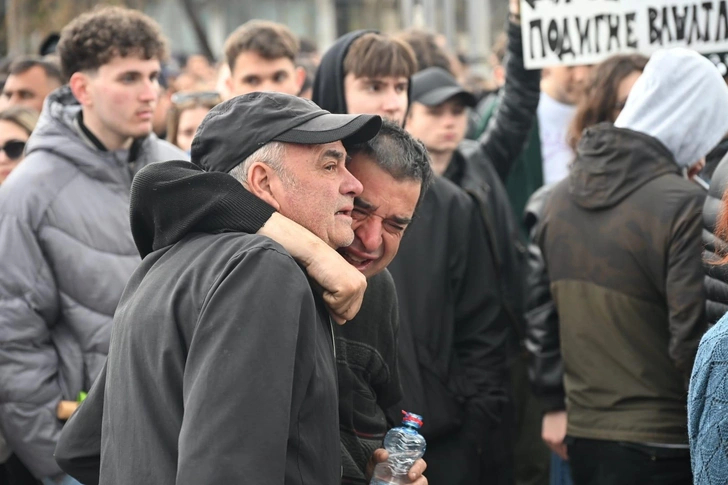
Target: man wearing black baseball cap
<point x="438" y="114"/>
<point x="222" y="366"/>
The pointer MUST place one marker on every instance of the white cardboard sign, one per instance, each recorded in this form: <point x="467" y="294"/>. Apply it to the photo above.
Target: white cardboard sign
<point x="572" y="32"/>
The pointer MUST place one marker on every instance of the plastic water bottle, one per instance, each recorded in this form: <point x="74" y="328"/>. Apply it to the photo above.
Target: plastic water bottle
<point x="405" y="446"/>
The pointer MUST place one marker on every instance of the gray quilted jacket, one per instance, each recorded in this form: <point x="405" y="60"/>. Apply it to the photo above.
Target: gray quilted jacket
<point x="66" y="254"/>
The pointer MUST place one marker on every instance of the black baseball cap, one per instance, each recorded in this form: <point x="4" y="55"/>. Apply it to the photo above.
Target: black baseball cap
<point x="235" y="129"/>
<point x="434" y="85"/>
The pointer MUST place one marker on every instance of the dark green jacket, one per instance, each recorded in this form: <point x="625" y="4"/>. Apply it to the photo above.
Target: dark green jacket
<point x="621" y="242"/>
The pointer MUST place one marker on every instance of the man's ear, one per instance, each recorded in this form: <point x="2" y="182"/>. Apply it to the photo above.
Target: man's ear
<point x="300" y="77"/>
<point x="262" y="181"/>
<point x="79" y="84"/>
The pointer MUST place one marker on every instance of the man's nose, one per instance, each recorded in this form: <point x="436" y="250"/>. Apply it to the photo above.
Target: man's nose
<point x="391" y="101"/>
<point x="450" y="118"/>
<point x="370" y="234"/>
<point x="350" y="185"/>
<point x="150" y="91"/>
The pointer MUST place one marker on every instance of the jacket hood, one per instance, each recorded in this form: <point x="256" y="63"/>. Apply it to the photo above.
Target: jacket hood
<point x="681" y="100"/>
<point x="58" y="132"/>
<point x="611" y="163"/>
<point x="328" y="85"/>
<point x="172" y="199"/>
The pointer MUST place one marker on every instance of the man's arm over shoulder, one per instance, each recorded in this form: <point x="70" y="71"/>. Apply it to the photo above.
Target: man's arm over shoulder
<point x="504" y="138"/>
<point x="254" y="326"/>
<point x="684" y="286"/>
<point x="29" y="387"/>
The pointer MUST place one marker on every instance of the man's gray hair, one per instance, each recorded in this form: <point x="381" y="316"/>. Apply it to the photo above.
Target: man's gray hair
<point x="271" y="154"/>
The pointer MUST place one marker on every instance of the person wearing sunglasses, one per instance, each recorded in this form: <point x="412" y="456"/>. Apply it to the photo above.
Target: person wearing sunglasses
<point x="187" y="112"/>
<point x="16" y="125"/>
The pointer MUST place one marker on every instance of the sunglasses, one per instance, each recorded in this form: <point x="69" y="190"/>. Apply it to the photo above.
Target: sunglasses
<point x="13" y="149"/>
<point x="186" y="96"/>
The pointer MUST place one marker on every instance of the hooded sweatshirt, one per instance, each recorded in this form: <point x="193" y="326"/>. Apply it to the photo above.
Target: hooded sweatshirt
<point x="680" y="99"/>
<point x="621" y="241"/>
<point x="235" y="380"/>
<point x="67" y="254"/>
<point x="328" y="85"/>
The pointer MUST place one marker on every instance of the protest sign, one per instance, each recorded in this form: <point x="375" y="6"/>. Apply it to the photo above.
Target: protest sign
<point x="575" y="32"/>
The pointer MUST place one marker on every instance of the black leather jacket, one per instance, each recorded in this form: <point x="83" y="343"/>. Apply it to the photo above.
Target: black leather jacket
<point x="716" y="276"/>
<point x="545" y="369"/>
<point x="481" y="168"/>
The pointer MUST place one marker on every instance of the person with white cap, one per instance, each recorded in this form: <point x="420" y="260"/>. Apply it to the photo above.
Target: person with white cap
<point x="621" y="242"/>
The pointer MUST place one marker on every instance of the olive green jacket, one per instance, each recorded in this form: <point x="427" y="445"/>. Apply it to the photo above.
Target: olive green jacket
<point x="621" y="241"/>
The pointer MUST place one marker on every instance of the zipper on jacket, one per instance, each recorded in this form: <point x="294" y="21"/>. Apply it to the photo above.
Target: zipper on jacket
<point x="333" y="339"/>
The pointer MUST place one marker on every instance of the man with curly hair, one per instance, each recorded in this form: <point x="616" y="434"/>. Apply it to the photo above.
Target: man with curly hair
<point x="67" y="249"/>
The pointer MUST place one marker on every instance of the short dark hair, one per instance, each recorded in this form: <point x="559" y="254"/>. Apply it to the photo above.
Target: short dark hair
<point x="23" y="64"/>
<point x="270" y="40"/>
<point x="376" y="55"/>
<point x="399" y="154"/>
<point x="426" y="50"/>
<point x="95" y="38"/>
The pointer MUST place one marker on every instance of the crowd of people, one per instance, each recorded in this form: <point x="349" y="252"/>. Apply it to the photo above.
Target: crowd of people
<point x="244" y="272"/>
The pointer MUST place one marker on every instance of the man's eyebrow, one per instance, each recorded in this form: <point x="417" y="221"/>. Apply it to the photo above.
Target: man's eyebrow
<point x="403" y="221"/>
<point x="362" y="204"/>
<point x="333" y="153"/>
<point x="359" y="202"/>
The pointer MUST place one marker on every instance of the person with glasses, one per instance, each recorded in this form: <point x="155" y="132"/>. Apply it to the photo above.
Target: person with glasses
<point x="187" y="112"/>
<point x="16" y="125"/>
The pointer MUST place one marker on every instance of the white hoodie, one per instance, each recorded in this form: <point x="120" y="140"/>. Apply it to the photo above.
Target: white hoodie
<point x="681" y="100"/>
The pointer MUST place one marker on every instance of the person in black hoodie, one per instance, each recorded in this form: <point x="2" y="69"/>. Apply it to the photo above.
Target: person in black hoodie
<point x="454" y="326"/>
<point x="235" y="380"/>
<point x="439" y="117"/>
